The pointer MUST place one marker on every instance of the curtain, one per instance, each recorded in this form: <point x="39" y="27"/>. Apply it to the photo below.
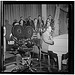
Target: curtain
<point x="15" y="11"/>
<point x="51" y="8"/>
<point x="63" y="24"/>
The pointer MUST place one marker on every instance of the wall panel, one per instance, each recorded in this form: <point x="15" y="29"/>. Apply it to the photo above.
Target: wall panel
<point x="51" y="10"/>
<point x="63" y="26"/>
<point x="14" y="11"/>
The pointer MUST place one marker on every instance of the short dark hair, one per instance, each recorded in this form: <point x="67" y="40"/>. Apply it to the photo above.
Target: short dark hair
<point x="35" y="18"/>
<point x="21" y="16"/>
<point x="47" y="18"/>
<point x="29" y="16"/>
<point x="39" y="15"/>
<point x="49" y="15"/>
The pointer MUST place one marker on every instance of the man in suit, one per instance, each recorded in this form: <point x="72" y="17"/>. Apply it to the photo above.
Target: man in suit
<point x="40" y="24"/>
<point x="47" y="40"/>
<point x="47" y="36"/>
<point x="51" y="21"/>
<point x="35" y="24"/>
<point x="30" y="22"/>
<point x="22" y="22"/>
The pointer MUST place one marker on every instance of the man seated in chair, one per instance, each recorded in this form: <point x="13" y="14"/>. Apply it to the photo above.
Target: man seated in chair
<point x="47" y="40"/>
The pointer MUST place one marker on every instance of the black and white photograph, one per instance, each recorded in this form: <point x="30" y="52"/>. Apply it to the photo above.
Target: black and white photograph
<point x="36" y="37"/>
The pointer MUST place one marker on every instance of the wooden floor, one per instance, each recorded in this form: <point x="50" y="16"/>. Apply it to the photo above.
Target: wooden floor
<point x="11" y="60"/>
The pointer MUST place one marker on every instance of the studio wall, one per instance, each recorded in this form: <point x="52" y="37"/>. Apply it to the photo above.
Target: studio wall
<point x="63" y="23"/>
<point x="51" y="8"/>
<point x="15" y="11"/>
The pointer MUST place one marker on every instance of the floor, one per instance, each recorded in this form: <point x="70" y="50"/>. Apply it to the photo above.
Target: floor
<point x="10" y="64"/>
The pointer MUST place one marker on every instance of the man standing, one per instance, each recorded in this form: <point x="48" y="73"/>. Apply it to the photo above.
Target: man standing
<point x="51" y="21"/>
<point x="30" y="22"/>
<point x="40" y="24"/>
<point x="22" y="22"/>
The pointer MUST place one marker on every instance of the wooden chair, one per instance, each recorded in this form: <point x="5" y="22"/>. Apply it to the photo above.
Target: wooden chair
<point x="44" y="53"/>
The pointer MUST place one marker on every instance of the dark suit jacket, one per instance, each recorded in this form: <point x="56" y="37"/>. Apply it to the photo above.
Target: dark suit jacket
<point x="52" y="24"/>
<point x="31" y="23"/>
<point x="40" y="25"/>
<point x="24" y="23"/>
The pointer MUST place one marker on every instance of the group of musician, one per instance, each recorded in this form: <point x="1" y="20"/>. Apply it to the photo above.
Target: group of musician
<point x="40" y="28"/>
<point x="37" y="23"/>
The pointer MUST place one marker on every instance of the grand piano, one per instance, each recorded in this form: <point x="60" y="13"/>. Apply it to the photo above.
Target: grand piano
<point x="60" y="47"/>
